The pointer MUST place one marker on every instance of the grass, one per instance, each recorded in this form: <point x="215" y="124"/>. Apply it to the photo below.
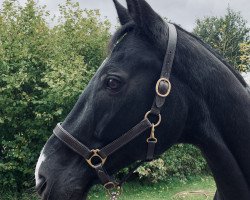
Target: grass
<point x="195" y="188"/>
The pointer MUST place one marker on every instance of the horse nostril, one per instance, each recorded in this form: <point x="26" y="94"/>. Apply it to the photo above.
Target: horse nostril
<point x="41" y="185"/>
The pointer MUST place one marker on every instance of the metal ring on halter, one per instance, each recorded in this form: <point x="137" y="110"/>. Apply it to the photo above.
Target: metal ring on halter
<point x="152" y="139"/>
<point x="159" y="118"/>
<point x="96" y="155"/>
<point x="165" y="80"/>
<point x="112" y="187"/>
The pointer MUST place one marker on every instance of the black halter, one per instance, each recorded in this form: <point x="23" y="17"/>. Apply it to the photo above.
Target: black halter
<point x="96" y="158"/>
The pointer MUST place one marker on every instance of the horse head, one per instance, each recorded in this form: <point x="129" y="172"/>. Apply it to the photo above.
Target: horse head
<point x="122" y="91"/>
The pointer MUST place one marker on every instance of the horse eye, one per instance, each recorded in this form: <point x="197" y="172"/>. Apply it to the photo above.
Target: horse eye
<point x="113" y="84"/>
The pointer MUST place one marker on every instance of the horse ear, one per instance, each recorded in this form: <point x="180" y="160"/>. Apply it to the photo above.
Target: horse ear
<point x="147" y="19"/>
<point x="122" y="13"/>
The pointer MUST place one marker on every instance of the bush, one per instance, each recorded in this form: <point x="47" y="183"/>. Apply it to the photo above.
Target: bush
<point x="43" y="71"/>
<point x="153" y="171"/>
<point x="181" y="161"/>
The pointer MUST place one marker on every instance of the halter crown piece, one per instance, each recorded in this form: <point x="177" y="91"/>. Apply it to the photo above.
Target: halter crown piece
<point x="96" y="158"/>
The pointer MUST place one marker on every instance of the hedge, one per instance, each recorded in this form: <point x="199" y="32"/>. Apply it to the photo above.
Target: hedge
<point x="43" y="71"/>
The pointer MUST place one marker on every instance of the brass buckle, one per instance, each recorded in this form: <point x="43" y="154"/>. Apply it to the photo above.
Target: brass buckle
<point x="165" y="80"/>
<point x="155" y="124"/>
<point x="152" y="137"/>
<point x="113" y="190"/>
<point x="96" y="155"/>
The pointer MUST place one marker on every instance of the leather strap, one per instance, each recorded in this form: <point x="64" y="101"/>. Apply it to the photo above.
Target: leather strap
<point x="166" y="68"/>
<point x="85" y="152"/>
<point x="170" y="53"/>
<point x="126" y="138"/>
<point x="163" y="86"/>
<point x="71" y="142"/>
<point x="103" y="175"/>
<point x="150" y="151"/>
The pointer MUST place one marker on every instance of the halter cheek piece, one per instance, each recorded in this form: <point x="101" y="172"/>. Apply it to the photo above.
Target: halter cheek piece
<point x="96" y="158"/>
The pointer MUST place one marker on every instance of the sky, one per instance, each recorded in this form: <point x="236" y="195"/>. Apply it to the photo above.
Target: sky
<point x="183" y="12"/>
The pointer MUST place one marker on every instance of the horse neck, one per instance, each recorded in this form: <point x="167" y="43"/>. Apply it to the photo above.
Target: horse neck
<point x="219" y="116"/>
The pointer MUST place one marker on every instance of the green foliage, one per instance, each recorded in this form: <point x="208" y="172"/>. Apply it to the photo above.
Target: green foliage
<point x="43" y="71"/>
<point x="181" y="161"/>
<point x="245" y="56"/>
<point x="225" y="34"/>
<point x="153" y="171"/>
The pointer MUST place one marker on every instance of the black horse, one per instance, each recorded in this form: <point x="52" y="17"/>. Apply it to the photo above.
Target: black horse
<point x="209" y="106"/>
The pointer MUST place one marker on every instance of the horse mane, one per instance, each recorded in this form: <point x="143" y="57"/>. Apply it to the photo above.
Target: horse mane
<point x="217" y="55"/>
<point x="119" y="34"/>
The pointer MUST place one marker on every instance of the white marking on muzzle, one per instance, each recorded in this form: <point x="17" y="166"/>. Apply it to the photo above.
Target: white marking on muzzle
<point x="41" y="159"/>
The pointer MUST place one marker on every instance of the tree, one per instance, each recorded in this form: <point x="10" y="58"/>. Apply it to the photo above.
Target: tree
<point x="245" y="57"/>
<point x="225" y="34"/>
<point x="43" y="71"/>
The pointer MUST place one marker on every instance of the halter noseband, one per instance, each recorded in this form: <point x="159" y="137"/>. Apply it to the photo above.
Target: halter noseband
<point x="96" y="158"/>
